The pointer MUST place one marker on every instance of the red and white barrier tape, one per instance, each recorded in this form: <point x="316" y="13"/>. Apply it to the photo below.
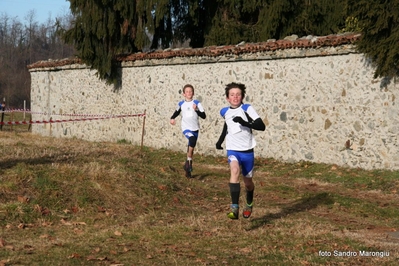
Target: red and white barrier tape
<point x="66" y="120"/>
<point x="16" y="110"/>
<point x="44" y="113"/>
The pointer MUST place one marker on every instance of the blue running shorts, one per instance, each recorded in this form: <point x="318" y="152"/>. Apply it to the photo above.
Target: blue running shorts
<point x="245" y="159"/>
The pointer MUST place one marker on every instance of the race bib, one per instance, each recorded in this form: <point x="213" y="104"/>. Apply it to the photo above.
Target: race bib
<point x="190" y="112"/>
<point x="234" y="127"/>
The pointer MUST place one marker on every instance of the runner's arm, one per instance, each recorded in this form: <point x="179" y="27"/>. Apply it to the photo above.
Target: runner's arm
<point x="175" y="114"/>
<point x="201" y="114"/>
<point x="222" y="137"/>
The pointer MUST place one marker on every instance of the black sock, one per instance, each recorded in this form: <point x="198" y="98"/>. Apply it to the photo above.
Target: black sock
<point x="234" y="192"/>
<point x="250" y="196"/>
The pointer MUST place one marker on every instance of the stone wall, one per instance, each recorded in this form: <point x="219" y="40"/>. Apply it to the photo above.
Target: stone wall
<point x="320" y="105"/>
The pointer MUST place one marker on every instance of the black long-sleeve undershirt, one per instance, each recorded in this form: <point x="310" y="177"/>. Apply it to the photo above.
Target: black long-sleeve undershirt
<point x="199" y="113"/>
<point x="222" y="137"/>
<point x="256" y="124"/>
<point x="175" y="114"/>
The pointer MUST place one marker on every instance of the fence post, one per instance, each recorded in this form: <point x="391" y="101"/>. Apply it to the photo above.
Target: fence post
<point x="142" y="131"/>
<point x="11" y="119"/>
<point x="24" y="109"/>
<point x="2" y="116"/>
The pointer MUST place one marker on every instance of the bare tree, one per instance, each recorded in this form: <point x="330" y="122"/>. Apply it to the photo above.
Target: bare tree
<point x="24" y="44"/>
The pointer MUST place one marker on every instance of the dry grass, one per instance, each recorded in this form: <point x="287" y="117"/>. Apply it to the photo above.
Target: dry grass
<point x="72" y="202"/>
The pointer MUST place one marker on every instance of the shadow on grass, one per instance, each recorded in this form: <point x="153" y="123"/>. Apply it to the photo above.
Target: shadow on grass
<point x="301" y="205"/>
<point x="201" y="176"/>
<point x="8" y="164"/>
<point x="55" y="158"/>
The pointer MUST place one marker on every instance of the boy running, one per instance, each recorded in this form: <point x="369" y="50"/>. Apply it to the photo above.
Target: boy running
<point x="240" y="120"/>
<point x="190" y="110"/>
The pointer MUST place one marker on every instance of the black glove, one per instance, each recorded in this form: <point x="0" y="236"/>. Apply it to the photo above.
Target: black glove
<point x="219" y="146"/>
<point x="238" y="119"/>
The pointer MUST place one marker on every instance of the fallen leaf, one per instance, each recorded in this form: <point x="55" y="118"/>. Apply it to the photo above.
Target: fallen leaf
<point x="23" y="199"/>
<point x="162" y="187"/>
<point x="46" y="223"/>
<point x="89" y="258"/>
<point x="4" y="262"/>
<point x="78" y="231"/>
<point x="45" y="211"/>
<point x="246" y="250"/>
<point x="176" y="200"/>
<point x="65" y="222"/>
<point x="42" y="210"/>
<point x="28" y="247"/>
<point x="74" y="256"/>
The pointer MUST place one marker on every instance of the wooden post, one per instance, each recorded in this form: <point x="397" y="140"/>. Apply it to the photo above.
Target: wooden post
<point x="24" y="109"/>
<point x="2" y="117"/>
<point x="142" y="131"/>
<point x="11" y="119"/>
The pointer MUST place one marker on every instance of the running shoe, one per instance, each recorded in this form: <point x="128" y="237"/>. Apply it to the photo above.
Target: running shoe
<point x="190" y="165"/>
<point x="233" y="214"/>
<point x="247" y="210"/>
<point x="186" y="168"/>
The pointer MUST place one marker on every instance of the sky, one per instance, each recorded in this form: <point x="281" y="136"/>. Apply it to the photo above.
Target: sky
<point x="43" y="9"/>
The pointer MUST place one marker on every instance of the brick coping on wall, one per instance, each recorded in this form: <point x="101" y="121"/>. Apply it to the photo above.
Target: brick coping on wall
<point x="290" y="42"/>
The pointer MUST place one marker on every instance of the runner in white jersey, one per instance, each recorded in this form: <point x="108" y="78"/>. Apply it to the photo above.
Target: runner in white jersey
<point x="240" y="120"/>
<point x="190" y="110"/>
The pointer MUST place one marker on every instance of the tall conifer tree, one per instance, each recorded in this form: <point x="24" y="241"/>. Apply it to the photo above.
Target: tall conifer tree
<point x="260" y="20"/>
<point x="103" y="29"/>
<point x="379" y="23"/>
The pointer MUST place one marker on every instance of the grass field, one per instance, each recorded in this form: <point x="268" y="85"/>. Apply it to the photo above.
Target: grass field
<point x="73" y="202"/>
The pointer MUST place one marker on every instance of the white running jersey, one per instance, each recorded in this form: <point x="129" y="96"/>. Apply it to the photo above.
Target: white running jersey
<point x="189" y="115"/>
<point x="238" y="137"/>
